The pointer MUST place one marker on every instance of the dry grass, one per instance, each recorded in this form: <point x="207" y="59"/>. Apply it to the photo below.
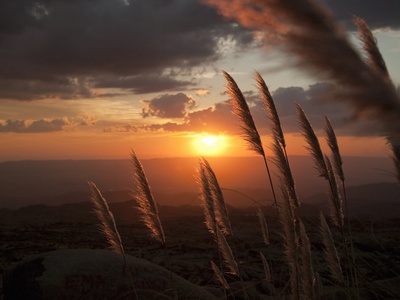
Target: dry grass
<point x="304" y="279"/>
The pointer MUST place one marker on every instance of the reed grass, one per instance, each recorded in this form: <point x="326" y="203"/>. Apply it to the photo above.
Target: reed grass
<point x="149" y="211"/>
<point x="219" y="275"/>
<point x="109" y="228"/>
<point x="375" y="84"/>
<point x="263" y="226"/>
<point x="215" y="195"/>
<point x="250" y="132"/>
<point x="216" y="217"/>
<point x="332" y="257"/>
<point x="147" y="205"/>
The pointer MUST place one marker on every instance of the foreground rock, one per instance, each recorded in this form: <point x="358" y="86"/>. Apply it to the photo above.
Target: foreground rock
<point x="93" y="274"/>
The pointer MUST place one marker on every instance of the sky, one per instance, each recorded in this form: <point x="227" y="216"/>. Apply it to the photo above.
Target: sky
<point x="95" y="79"/>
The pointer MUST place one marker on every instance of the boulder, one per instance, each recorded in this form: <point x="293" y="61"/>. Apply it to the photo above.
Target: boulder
<point x="94" y="274"/>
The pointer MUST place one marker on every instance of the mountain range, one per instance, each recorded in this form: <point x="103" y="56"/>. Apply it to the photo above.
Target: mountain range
<point x="173" y="181"/>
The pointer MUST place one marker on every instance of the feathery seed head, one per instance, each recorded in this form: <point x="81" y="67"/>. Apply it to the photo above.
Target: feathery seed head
<point x="107" y="221"/>
<point x="242" y="111"/>
<point x="313" y="143"/>
<point x="147" y="206"/>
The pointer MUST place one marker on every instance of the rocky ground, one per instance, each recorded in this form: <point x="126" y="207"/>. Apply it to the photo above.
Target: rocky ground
<point x="191" y="247"/>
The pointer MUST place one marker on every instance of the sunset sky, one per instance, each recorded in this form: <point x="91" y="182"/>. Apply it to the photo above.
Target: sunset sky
<point x="95" y="79"/>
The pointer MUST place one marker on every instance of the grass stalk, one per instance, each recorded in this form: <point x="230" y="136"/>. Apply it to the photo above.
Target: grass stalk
<point x="109" y="228"/>
<point x="149" y="211"/>
<point x="331" y="254"/>
<point x="338" y="167"/>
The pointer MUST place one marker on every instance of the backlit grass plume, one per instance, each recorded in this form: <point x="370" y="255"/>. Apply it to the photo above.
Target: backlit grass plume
<point x="227" y="254"/>
<point x="147" y="206"/>
<point x="217" y="197"/>
<point x="313" y="144"/>
<point x="336" y="206"/>
<point x="242" y="111"/>
<point x="251" y="135"/>
<point x="107" y="221"/>
<point x="109" y="228"/>
<point x="271" y="110"/>
<point x="220" y="276"/>
<point x="207" y="199"/>
<point x="333" y="145"/>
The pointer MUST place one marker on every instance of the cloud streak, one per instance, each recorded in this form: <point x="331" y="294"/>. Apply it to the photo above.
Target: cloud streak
<point x="46" y="125"/>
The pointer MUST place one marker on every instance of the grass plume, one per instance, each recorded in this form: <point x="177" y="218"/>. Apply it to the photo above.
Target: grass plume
<point x="217" y="197"/>
<point x="307" y="278"/>
<point x="331" y="254"/>
<point x="109" y="228"/>
<point x="242" y="111"/>
<point x="333" y="145"/>
<point x="227" y="254"/>
<point x="264" y="226"/>
<point x="370" y="46"/>
<point x="147" y="206"/>
<point x="207" y="199"/>
<point x="336" y="206"/>
<point x="313" y="144"/>
<point x="251" y="135"/>
<point x="220" y="276"/>
<point x="272" y="113"/>
<point x="107" y="221"/>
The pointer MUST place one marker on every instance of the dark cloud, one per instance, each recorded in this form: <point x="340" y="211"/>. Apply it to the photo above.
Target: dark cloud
<point x="49" y="44"/>
<point x="43" y="125"/>
<point x="168" y="106"/>
<point x="46" y="125"/>
<point x="16" y="88"/>
<point x="143" y="84"/>
<point x="377" y="13"/>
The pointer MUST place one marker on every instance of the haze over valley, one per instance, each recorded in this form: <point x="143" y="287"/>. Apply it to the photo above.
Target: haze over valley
<point x="173" y="181"/>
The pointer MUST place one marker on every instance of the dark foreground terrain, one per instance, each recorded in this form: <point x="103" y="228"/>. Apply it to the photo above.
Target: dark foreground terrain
<point x="37" y="229"/>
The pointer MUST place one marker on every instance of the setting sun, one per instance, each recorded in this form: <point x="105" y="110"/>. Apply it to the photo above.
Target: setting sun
<point x="210" y="144"/>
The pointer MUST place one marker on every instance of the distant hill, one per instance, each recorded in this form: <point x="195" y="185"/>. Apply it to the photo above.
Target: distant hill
<point x="173" y="180"/>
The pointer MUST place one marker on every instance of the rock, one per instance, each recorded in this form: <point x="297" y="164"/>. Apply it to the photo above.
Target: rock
<point x="93" y="274"/>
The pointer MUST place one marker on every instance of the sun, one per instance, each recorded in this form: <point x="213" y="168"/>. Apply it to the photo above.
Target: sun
<point x="210" y="145"/>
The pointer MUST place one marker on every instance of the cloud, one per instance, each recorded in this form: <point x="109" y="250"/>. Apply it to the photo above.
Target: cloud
<point x="317" y="100"/>
<point x="376" y="13"/>
<point x="86" y="120"/>
<point x="47" y="46"/>
<point x="202" y="92"/>
<point x="28" y="126"/>
<point x="46" y="125"/>
<point x="168" y="106"/>
<point x="143" y="84"/>
<point x="214" y="119"/>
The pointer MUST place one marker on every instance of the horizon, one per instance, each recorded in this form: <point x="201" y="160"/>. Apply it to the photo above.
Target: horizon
<point x="387" y="156"/>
